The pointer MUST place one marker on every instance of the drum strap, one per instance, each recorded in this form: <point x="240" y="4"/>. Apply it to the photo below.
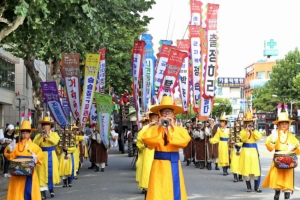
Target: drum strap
<point x="28" y="183"/>
<point x="254" y="145"/>
<point x="50" y="165"/>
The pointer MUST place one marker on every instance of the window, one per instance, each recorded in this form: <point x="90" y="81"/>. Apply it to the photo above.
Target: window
<point x="7" y="75"/>
<point x="261" y="75"/>
<point x="220" y="91"/>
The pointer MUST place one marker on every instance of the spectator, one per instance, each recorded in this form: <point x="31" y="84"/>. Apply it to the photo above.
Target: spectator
<point x="7" y="139"/>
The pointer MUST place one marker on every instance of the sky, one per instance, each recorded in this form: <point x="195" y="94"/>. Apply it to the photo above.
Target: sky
<point x="243" y="26"/>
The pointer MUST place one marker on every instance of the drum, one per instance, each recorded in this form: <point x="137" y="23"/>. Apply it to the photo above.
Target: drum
<point x="21" y="167"/>
<point x="285" y="160"/>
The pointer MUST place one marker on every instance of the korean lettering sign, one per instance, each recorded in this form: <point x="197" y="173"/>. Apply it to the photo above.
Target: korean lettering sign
<point x="231" y="82"/>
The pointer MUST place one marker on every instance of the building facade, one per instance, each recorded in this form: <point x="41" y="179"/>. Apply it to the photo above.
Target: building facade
<point x="14" y="81"/>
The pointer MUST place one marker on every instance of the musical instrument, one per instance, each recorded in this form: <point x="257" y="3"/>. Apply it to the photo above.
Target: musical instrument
<point x="235" y="136"/>
<point x="21" y="167"/>
<point x="67" y="140"/>
<point x="284" y="160"/>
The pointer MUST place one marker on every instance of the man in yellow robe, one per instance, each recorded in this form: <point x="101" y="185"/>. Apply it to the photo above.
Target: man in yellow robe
<point x="78" y="138"/>
<point x="24" y="187"/>
<point x="249" y="157"/>
<point x="282" y="141"/>
<point x="221" y="137"/>
<point x="166" y="180"/>
<point x="48" y="173"/>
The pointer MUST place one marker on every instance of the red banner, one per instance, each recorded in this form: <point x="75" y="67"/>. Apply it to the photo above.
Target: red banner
<point x="196" y="12"/>
<point x="137" y="62"/>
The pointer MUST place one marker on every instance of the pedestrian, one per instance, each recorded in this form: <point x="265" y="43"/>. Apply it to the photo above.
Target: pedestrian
<point x="8" y="138"/>
<point x="249" y="157"/>
<point x="199" y="146"/>
<point x="26" y="186"/>
<point x="166" y="177"/>
<point x="221" y="137"/>
<point x="189" y="150"/>
<point x="48" y="173"/>
<point x="281" y="176"/>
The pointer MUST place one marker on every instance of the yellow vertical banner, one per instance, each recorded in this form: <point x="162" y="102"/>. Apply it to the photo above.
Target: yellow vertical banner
<point x="90" y="77"/>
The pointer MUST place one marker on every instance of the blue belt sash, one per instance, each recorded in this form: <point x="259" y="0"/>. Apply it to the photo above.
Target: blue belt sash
<point x="254" y="145"/>
<point x="173" y="157"/>
<point x="50" y="165"/>
<point x="28" y="183"/>
<point x="224" y="139"/>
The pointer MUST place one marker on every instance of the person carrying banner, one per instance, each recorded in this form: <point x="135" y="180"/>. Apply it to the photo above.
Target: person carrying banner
<point x="166" y="177"/>
<point x="211" y="149"/>
<point x="140" y="154"/>
<point x="249" y="157"/>
<point x="281" y="176"/>
<point x="221" y="137"/>
<point x="189" y="151"/>
<point x="24" y="187"/>
<point x="199" y="146"/>
<point x="48" y="173"/>
<point x="148" y="155"/>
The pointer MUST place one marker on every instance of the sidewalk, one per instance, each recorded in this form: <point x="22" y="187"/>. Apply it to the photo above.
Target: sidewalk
<point x="3" y="187"/>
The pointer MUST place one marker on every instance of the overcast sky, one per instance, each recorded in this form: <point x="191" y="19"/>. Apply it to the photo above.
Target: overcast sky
<point x="243" y="25"/>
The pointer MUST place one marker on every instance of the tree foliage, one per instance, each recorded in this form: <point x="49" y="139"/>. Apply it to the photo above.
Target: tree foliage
<point x="224" y="105"/>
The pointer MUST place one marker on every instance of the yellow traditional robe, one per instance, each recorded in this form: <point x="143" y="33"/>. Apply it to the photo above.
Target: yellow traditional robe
<point x="249" y="161"/>
<point x="282" y="179"/>
<point x="65" y="165"/>
<point x="16" y="187"/>
<point x="161" y="179"/>
<point x="42" y="171"/>
<point x="140" y="145"/>
<point x="221" y="137"/>
<point x="235" y="159"/>
<point x="78" y="139"/>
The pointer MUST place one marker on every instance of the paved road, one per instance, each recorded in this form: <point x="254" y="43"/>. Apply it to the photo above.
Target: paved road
<point x="118" y="182"/>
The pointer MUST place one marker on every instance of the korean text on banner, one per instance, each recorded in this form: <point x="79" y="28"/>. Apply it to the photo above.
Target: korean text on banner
<point x="93" y="114"/>
<point x="138" y="53"/>
<point x="196" y="62"/>
<point x="148" y="71"/>
<point x="104" y="109"/>
<point x="163" y="57"/>
<point x="90" y="76"/>
<point x="50" y="93"/>
<point x="71" y="72"/>
<point x="66" y="107"/>
<point x="172" y="72"/>
<point x="101" y="74"/>
<point x="196" y="16"/>
<point x="184" y="86"/>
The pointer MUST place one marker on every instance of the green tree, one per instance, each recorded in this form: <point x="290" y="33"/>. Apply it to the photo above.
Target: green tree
<point x="262" y="99"/>
<point x="282" y="80"/>
<point x="221" y="105"/>
<point x="79" y="26"/>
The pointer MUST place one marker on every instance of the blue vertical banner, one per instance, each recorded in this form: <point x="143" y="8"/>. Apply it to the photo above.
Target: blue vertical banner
<point x="148" y="71"/>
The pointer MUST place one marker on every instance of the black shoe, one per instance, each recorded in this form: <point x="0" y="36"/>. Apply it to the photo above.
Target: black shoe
<point x="240" y="178"/>
<point x="77" y="172"/>
<point x="201" y="164"/>
<point x="235" y="178"/>
<point x="92" y="166"/>
<point x="208" y="166"/>
<point x="287" y="195"/>
<point x="69" y="183"/>
<point x="65" y="181"/>
<point x="225" y="173"/>
<point x="106" y="164"/>
<point x="97" y="169"/>
<point x="102" y="169"/>
<point x="256" y="188"/>
<point x="188" y="163"/>
<point x="277" y="194"/>
<point x="216" y="167"/>
<point x="249" y="189"/>
<point x="75" y="177"/>
<point x="143" y="191"/>
<point x="43" y="194"/>
<point x="197" y="165"/>
<point x="51" y="193"/>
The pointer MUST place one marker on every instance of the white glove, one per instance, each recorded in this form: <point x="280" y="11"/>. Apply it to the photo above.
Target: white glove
<point x="34" y="157"/>
<point x="291" y="147"/>
<point x="12" y="145"/>
<point x="274" y="135"/>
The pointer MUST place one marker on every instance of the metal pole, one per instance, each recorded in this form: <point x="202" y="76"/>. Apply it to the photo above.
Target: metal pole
<point x="291" y="108"/>
<point x="19" y="111"/>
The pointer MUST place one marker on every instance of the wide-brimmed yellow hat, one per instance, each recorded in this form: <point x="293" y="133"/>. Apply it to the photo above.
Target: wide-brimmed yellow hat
<point x="167" y="102"/>
<point x="223" y="118"/>
<point x="46" y="120"/>
<point x="249" y="117"/>
<point x="26" y="126"/>
<point x="283" y="117"/>
<point x="143" y="119"/>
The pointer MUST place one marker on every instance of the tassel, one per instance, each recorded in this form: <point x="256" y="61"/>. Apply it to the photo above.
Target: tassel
<point x="22" y="115"/>
<point x="286" y="109"/>
<point x="29" y="116"/>
<point x="279" y="109"/>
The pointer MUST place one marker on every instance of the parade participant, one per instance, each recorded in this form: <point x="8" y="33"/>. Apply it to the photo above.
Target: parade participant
<point x="166" y="178"/>
<point x="199" y="146"/>
<point x="140" y="145"/>
<point x="67" y="164"/>
<point x="24" y="187"/>
<point x="8" y="138"/>
<point x="281" y="178"/>
<point x="48" y="173"/>
<point x="78" y="138"/>
<point x="189" y="151"/>
<point x="211" y="149"/>
<point x="221" y="137"/>
<point x="148" y="156"/>
<point x="249" y="156"/>
<point x="98" y="154"/>
<point x="235" y="150"/>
